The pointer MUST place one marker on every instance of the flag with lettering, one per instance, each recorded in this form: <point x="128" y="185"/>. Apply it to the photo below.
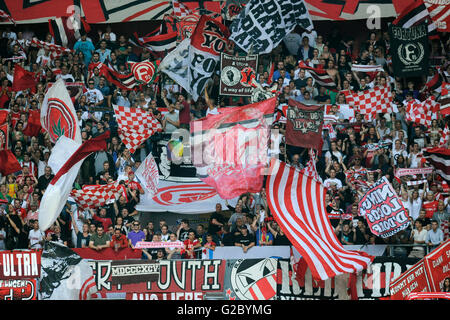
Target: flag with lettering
<point x="262" y="25"/>
<point x="304" y="125"/>
<point x="383" y="210"/>
<point x="208" y="41"/>
<point x="148" y="175"/>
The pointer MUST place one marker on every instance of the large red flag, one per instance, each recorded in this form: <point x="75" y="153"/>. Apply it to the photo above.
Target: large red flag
<point x="23" y="79"/>
<point x="229" y="149"/>
<point x="33" y="126"/>
<point x="304" y="125"/>
<point x="8" y="162"/>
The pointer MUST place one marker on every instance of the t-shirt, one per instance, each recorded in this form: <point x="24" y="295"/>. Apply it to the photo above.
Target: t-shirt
<point x="172" y="117"/>
<point x="106" y="222"/>
<point x="419" y="236"/>
<point x="263" y="236"/>
<point x="35" y="236"/>
<point x="245" y="240"/>
<point x="189" y="245"/>
<point x="185" y="114"/>
<point x="430" y="207"/>
<point x="82" y="240"/>
<point x="99" y="241"/>
<point x="135" y="237"/>
<point x="184" y="234"/>
<point x="94" y="95"/>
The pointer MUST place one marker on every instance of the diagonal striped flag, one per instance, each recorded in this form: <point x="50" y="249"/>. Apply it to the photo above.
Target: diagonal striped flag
<point x="157" y="43"/>
<point x="310" y="170"/>
<point x="180" y="10"/>
<point x="444" y="99"/>
<point x="439" y="13"/>
<point x="439" y="158"/>
<point x="415" y="14"/>
<point x="320" y="75"/>
<point x="66" y="30"/>
<point x="445" y="137"/>
<point x="5" y="16"/>
<point x="298" y="205"/>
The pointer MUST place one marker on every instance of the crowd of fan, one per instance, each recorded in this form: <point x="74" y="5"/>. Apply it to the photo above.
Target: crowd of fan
<point x="117" y="224"/>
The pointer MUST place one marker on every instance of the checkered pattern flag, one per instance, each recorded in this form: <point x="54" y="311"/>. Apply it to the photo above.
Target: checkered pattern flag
<point x="422" y="113"/>
<point x="135" y="126"/>
<point x="179" y="9"/>
<point x="445" y="136"/>
<point x="371" y="101"/>
<point x="94" y="196"/>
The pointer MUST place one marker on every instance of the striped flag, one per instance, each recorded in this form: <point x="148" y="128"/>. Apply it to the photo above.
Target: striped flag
<point x="439" y="13"/>
<point x="415" y="14"/>
<point x="298" y="205"/>
<point x="66" y="30"/>
<point x="123" y="81"/>
<point x="310" y="170"/>
<point x="434" y="83"/>
<point x="320" y="75"/>
<point x="55" y="50"/>
<point x="439" y="158"/>
<point x="5" y="16"/>
<point x="157" y="43"/>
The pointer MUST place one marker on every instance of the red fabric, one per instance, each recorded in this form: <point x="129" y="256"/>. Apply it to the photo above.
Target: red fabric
<point x="189" y="246"/>
<point x="8" y="163"/>
<point x="122" y="241"/>
<point x="23" y="79"/>
<point x="108" y="254"/>
<point x="298" y="130"/>
<point x="106" y="222"/>
<point x="33" y="126"/>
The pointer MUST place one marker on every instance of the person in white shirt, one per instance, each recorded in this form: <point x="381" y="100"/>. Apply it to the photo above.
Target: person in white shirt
<point x="94" y="95"/>
<point x="419" y="235"/>
<point x="65" y="75"/>
<point x="333" y="152"/>
<point x="36" y="236"/>
<point x="332" y="179"/>
<point x="311" y="36"/>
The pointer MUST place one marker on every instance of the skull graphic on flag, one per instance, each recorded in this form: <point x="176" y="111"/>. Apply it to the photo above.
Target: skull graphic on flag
<point x="145" y="71"/>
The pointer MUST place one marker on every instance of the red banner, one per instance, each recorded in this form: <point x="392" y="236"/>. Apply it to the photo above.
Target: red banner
<point x="413" y="280"/>
<point x="20" y="264"/>
<point x="108" y="254"/>
<point x="437" y="265"/>
<point x="18" y="289"/>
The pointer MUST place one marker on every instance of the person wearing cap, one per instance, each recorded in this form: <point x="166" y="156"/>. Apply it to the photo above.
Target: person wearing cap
<point x="245" y="240"/>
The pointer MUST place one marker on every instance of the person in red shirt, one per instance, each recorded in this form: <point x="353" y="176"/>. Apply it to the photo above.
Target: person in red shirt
<point x="430" y="205"/>
<point x="189" y="246"/>
<point x="106" y="222"/>
<point x="21" y="212"/>
<point x="118" y="240"/>
<point x="185" y="111"/>
<point x="210" y="244"/>
<point x="133" y="184"/>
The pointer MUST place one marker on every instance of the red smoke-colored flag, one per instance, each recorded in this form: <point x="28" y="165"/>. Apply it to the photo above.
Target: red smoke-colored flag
<point x="4" y="136"/>
<point x="304" y="125"/>
<point x="23" y="79"/>
<point x="33" y="126"/>
<point x="229" y="149"/>
<point x="298" y="204"/>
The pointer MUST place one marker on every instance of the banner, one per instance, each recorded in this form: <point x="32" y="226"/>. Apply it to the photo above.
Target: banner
<point x="144" y="71"/>
<point x="175" y="276"/>
<point x="409" y="47"/>
<point x="182" y="197"/>
<point x="437" y="266"/>
<point x="304" y="125"/>
<point x="20" y="264"/>
<point x="261" y="25"/>
<point x="413" y="171"/>
<point x="133" y="271"/>
<point x="108" y="254"/>
<point x="383" y="210"/>
<point x="165" y="296"/>
<point x="208" y="41"/>
<point x="18" y="289"/>
<point x="162" y="244"/>
<point x="237" y="74"/>
<point x="413" y="280"/>
<point x="371" y="284"/>
<point x="148" y="174"/>
<point x="251" y="279"/>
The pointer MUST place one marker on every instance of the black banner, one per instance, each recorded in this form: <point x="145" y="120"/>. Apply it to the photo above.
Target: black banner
<point x="409" y="47"/>
<point x="237" y="75"/>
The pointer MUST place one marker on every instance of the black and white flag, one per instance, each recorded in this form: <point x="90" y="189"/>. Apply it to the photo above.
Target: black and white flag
<point x="262" y="24"/>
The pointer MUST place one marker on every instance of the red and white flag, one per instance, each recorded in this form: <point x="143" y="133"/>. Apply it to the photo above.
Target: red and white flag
<point x="4" y="16"/>
<point x="310" y="170"/>
<point x="444" y="99"/>
<point x="94" y="196"/>
<point x="320" y="75"/>
<point x="445" y="136"/>
<point x="55" y="50"/>
<point x="58" y="116"/>
<point x="135" y="126"/>
<point x="298" y="205"/>
<point x="148" y="174"/>
<point x="65" y="160"/>
<point x="180" y="10"/>
<point x="371" y="101"/>
<point x="422" y="112"/>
